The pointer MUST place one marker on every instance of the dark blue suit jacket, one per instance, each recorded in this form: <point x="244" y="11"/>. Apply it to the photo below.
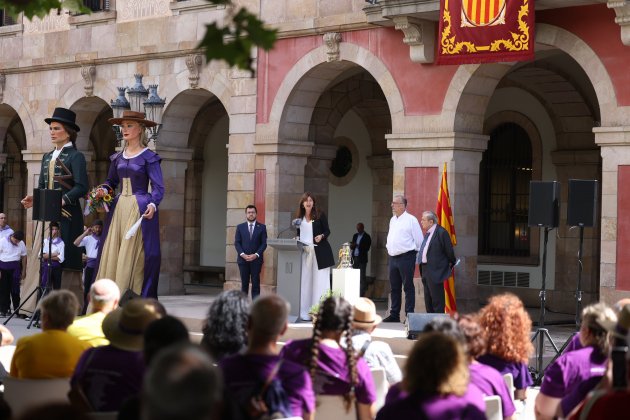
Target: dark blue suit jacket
<point x="256" y="245"/>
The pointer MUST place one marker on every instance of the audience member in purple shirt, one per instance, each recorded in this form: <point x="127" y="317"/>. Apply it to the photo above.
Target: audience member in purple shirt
<point x="490" y="382"/>
<point x="251" y="369"/>
<point x="435" y="383"/>
<point x="572" y="376"/>
<point x="109" y="376"/>
<point x="335" y="370"/>
<point x="508" y="326"/>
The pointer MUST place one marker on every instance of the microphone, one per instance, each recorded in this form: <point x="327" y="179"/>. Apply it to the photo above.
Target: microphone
<point x="295" y="224"/>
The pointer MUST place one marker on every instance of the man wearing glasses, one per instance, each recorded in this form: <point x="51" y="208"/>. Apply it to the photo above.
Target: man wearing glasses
<point x="403" y="242"/>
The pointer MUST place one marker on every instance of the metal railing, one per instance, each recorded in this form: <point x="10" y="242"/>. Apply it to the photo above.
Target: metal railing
<point x="6" y="19"/>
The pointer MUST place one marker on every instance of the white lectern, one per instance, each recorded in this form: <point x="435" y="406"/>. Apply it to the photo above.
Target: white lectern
<point x="289" y="272"/>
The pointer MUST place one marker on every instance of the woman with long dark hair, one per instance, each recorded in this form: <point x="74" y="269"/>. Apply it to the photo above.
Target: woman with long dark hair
<point x="317" y="256"/>
<point x="335" y="370"/>
<point x="225" y="328"/>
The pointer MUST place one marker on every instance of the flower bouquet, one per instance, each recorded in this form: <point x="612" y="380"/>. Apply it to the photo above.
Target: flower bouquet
<point x="96" y="204"/>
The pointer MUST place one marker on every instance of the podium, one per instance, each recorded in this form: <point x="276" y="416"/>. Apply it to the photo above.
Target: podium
<point x="347" y="281"/>
<point x="289" y="272"/>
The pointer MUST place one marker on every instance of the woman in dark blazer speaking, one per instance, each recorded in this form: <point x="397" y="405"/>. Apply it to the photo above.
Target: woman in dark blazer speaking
<point x="317" y="257"/>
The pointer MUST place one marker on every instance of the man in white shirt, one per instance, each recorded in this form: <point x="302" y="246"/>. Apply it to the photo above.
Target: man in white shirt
<point x="12" y="267"/>
<point x="5" y="230"/>
<point x="89" y="240"/>
<point x="403" y="242"/>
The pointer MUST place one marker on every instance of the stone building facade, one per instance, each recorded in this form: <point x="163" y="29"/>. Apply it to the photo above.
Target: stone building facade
<point x="353" y="86"/>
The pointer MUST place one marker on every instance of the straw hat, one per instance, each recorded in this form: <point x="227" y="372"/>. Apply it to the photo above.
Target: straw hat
<point x="365" y="315"/>
<point x="124" y="327"/>
<point x="620" y="328"/>
<point x="64" y="116"/>
<point x="133" y="116"/>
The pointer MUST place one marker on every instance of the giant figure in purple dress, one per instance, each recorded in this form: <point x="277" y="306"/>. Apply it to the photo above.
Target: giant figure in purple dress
<point x="133" y="263"/>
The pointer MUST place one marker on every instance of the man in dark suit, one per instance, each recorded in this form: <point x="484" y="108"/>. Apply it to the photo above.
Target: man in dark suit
<point x="250" y="242"/>
<point x="360" y="245"/>
<point x="436" y="259"/>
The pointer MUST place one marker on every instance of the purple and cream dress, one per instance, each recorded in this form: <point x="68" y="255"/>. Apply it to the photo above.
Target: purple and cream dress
<point x="133" y="263"/>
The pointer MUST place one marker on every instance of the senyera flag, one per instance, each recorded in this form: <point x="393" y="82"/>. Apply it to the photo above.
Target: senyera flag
<point x="445" y="219"/>
<point x="485" y="31"/>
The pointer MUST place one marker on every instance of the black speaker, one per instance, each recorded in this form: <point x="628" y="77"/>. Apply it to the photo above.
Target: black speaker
<point x="415" y="323"/>
<point x="46" y="205"/>
<point x="544" y="203"/>
<point x="582" y="207"/>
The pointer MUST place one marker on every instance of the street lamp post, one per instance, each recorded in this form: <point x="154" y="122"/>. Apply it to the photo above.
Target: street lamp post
<point x="139" y="96"/>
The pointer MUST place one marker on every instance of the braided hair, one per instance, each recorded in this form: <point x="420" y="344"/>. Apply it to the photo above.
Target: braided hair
<point x="335" y="315"/>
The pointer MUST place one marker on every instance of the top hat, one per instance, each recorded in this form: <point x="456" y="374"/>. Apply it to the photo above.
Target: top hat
<point x="365" y="315"/>
<point x="64" y="116"/>
<point x="133" y="116"/>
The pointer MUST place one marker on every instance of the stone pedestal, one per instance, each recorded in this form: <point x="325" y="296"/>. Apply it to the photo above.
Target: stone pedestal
<point x="347" y="281"/>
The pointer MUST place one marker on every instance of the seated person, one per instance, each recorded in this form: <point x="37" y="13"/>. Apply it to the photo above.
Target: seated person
<point x="243" y="372"/>
<point x="182" y="383"/>
<point x="376" y="353"/>
<point x="108" y="375"/>
<point x="104" y="296"/>
<point x="225" y="328"/>
<point x="562" y="387"/>
<point x="335" y="370"/>
<point x="487" y="379"/>
<point x="435" y="384"/>
<point x="507" y="326"/>
<point x="53" y="353"/>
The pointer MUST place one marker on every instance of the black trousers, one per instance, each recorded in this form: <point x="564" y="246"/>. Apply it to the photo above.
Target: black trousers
<point x="362" y="266"/>
<point x="7" y="294"/>
<point x="434" y="300"/>
<point x="250" y="271"/>
<point x="88" y="280"/>
<point x="401" y="268"/>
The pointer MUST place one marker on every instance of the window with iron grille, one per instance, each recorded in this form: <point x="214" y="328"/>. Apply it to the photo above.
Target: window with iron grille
<point x="505" y="173"/>
<point x="6" y="19"/>
<point x="97" y="5"/>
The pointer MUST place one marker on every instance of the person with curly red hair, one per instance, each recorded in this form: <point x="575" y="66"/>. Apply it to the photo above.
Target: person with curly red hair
<point x="508" y="326"/>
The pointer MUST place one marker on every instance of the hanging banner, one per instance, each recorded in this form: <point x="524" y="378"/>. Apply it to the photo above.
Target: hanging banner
<point x="485" y="31"/>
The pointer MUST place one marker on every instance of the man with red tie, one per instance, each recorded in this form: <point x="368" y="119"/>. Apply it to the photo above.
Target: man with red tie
<point x="250" y="242"/>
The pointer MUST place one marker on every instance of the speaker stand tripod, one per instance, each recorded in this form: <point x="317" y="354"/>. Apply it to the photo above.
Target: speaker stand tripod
<point x="542" y="333"/>
<point x="46" y="208"/>
<point x="578" y="297"/>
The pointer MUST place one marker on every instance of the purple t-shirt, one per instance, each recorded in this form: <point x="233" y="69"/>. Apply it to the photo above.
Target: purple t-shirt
<point x="109" y="376"/>
<point x="574" y="344"/>
<point x="469" y="406"/>
<point x="519" y="371"/>
<point x="333" y="376"/>
<point x="564" y="377"/>
<point x="491" y="382"/>
<point x="250" y="369"/>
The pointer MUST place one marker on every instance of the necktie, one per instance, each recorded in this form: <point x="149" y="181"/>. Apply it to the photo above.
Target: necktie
<point x="424" y="243"/>
<point x="251" y="230"/>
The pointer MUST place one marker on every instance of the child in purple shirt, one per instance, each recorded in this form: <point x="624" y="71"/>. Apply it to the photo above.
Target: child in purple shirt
<point x="571" y="377"/>
<point x="435" y="384"/>
<point x="335" y="370"/>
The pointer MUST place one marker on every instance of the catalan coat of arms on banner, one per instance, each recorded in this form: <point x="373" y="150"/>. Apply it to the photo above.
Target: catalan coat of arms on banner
<point x="481" y="31"/>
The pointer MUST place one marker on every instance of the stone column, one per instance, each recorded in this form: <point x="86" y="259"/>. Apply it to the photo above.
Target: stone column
<point x="171" y="212"/>
<point x="579" y="164"/>
<point x="382" y="176"/>
<point x="284" y="163"/>
<point x="463" y="153"/>
<point x="615" y="151"/>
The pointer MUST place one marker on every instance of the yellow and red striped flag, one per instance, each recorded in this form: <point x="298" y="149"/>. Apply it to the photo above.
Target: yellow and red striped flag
<point x="445" y="219"/>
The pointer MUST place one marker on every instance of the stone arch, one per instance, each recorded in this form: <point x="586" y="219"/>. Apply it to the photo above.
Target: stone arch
<point x="462" y="110"/>
<point x="300" y="90"/>
<point x="13" y="99"/>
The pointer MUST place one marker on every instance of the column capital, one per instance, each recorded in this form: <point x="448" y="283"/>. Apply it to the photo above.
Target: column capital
<point x="285" y="147"/>
<point x="174" y="153"/>
<point x="612" y="136"/>
<point x="437" y="141"/>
